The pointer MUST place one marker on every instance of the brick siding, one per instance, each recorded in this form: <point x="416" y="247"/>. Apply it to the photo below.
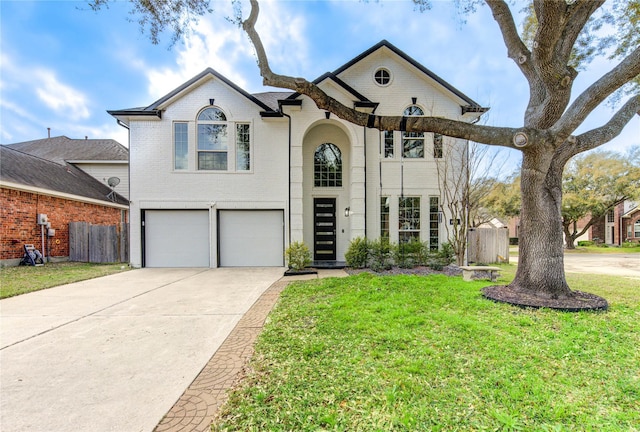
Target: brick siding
<point x="18" y="210"/>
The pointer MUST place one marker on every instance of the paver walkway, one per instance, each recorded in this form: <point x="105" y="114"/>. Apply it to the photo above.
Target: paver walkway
<point x="198" y="405"/>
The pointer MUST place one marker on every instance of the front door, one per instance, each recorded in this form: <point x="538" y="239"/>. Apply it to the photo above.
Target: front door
<point x="324" y="229"/>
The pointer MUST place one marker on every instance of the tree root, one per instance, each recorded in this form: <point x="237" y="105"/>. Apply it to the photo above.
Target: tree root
<point x="575" y="302"/>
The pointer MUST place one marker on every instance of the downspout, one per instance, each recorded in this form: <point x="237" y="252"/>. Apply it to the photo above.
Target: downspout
<point x="289" y="187"/>
<point x="364" y="131"/>
<point x="128" y="215"/>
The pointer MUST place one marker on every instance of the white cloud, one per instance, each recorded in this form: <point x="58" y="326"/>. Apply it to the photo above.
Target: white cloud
<point x="60" y="97"/>
<point x="217" y="43"/>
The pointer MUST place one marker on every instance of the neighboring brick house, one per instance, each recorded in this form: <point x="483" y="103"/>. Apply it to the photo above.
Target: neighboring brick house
<point x="100" y="158"/>
<point x="620" y="224"/>
<point x="220" y="177"/>
<point x="30" y="185"/>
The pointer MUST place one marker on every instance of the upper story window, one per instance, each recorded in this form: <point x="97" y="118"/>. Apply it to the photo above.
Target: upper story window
<point x="437" y="146"/>
<point x="327" y="166"/>
<point x="212" y="140"/>
<point x="180" y="146"/>
<point x="243" y="147"/>
<point x="413" y="142"/>
<point x="388" y="144"/>
<point x="382" y="76"/>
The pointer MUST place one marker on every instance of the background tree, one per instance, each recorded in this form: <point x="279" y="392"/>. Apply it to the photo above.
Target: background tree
<point x="593" y="184"/>
<point x="562" y="34"/>
<point x="464" y="190"/>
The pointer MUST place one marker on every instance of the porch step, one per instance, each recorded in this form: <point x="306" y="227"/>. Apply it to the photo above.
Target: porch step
<point x="328" y="264"/>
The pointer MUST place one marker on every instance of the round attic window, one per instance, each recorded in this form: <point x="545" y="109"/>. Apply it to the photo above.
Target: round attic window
<point x="382" y="76"/>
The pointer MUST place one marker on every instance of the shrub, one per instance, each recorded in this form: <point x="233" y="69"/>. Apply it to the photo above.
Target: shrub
<point x="442" y="257"/>
<point x="584" y="243"/>
<point x="409" y="254"/>
<point x="298" y="256"/>
<point x="380" y="254"/>
<point x="357" y="255"/>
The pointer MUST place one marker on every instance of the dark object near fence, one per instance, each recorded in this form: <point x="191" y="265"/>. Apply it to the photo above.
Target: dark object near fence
<point x="97" y="243"/>
<point x="32" y="256"/>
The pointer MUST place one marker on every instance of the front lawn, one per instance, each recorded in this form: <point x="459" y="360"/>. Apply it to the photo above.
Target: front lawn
<point x="428" y="353"/>
<point x="24" y="279"/>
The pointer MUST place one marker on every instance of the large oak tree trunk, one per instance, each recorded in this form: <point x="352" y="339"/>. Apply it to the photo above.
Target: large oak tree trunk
<point x="541" y="256"/>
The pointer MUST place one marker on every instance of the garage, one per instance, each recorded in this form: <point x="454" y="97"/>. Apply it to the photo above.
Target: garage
<point x="251" y="238"/>
<point x="176" y="238"/>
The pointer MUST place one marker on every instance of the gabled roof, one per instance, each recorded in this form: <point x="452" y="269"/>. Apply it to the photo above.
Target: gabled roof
<point x="332" y="76"/>
<point x="24" y="169"/>
<point x="155" y="109"/>
<point x="62" y="149"/>
<point x="474" y="106"/>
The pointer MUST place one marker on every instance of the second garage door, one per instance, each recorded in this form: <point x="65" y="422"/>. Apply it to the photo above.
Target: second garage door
<point x="251" y="238"/>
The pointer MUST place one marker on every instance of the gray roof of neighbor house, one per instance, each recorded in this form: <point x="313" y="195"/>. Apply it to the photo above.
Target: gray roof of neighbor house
<point x="27" y="170"/>
<point x="61" y="149"/>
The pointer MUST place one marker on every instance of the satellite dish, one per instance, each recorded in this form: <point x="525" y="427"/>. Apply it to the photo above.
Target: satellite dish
<point x="113" y="181"/>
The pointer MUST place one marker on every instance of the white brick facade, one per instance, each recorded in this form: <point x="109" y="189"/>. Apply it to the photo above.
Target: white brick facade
<point x="282" y="147"/>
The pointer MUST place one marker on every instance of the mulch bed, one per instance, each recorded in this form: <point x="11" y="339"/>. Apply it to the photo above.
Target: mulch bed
<point x="578" y="301"/>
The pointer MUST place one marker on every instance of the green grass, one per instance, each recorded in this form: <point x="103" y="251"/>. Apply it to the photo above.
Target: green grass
<point x="626" y="249"/>
<point x="23" y="279"/>
<point x="428" y="353"/>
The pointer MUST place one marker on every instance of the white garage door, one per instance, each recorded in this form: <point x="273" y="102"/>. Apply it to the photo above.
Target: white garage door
<point x="251" y="238"/>
<point x="176" y="238"/>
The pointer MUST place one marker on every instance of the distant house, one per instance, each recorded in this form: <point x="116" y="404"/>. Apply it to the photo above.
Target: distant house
<point x="221" y="177"/>
<point x="32" y="186"/>
<point x="619" y="225"/>
<point x="100" y="158"/>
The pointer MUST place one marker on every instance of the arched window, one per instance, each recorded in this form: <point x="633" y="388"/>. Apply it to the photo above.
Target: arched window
<point x="212" y="140"/>
<point x="413" y="142"/>
<point x="636" y="229"/>
<point x="327" y="166"/>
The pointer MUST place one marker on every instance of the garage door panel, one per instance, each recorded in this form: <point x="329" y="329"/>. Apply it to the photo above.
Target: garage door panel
<point x="177" y="238"/>
<point x="252" y="238"/>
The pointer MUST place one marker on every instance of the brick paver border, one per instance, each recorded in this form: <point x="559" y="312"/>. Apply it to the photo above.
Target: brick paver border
<point x="198" y="405"/>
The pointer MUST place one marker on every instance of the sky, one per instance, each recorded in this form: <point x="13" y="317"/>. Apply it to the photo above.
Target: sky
<point x="62" y="65"/>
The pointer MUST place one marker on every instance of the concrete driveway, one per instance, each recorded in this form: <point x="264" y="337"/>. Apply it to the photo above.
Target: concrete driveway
<point x="115" y="353"/>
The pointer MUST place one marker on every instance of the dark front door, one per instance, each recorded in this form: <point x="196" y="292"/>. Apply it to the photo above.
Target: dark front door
<point x="324" y="229"/>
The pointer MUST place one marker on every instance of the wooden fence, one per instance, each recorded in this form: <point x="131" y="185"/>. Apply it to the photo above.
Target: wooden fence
<point x="98" y="243"/>
<point x="488" y="245"/>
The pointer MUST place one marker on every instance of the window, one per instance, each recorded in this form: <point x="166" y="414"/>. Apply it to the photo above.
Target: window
<point x="327" y="166"/>
<point x="413" y="142"/>
<point x="610" y="216"/>
<point x="388" y="144"/>
<point x="243" y="147"/>
<point x="212" y="140"/>
<point x="409" y="219"/>
<point x="382" y="77"/>
<point x="636" y="229"/>
<point x="384" y="217"/>
<point x="180" y="146"/>
<point x="437" y="146"/>
<point x="434" y="223"/>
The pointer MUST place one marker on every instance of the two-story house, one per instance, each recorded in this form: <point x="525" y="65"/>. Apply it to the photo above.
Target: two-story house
<point x="221" y="177"/>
